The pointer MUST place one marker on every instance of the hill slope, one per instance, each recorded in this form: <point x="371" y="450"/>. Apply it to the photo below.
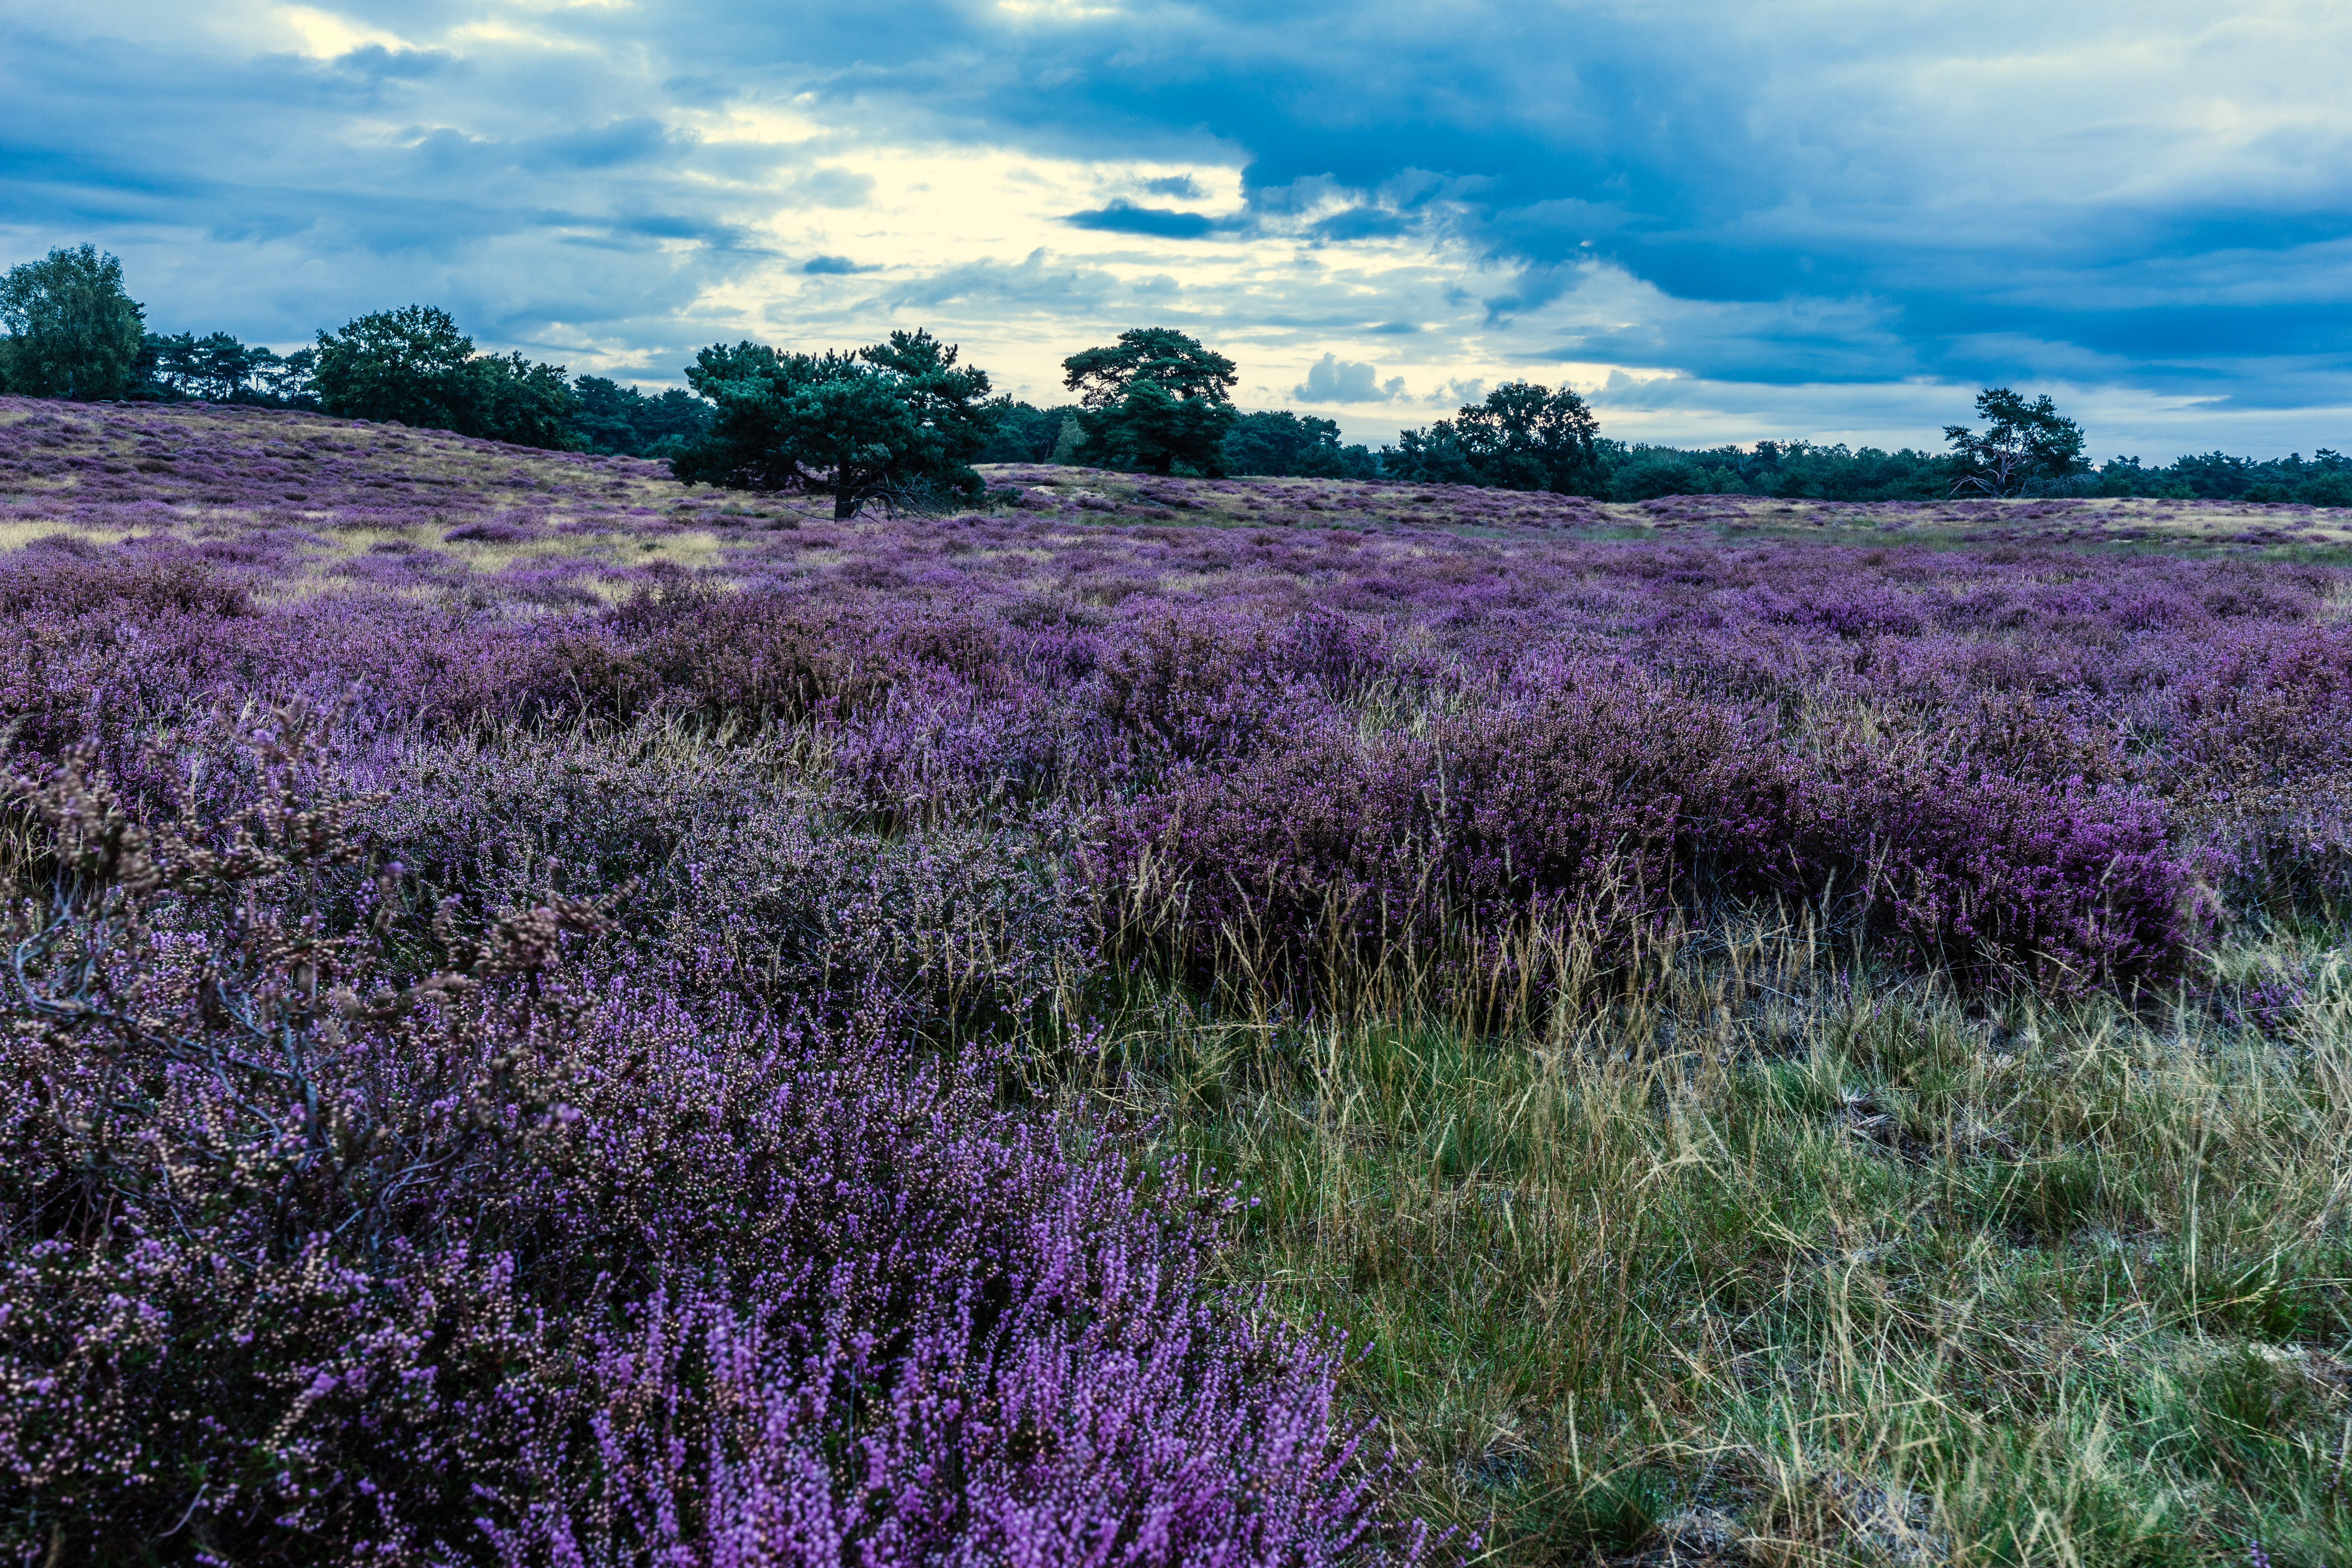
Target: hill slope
<point x="1781" y="1033"/>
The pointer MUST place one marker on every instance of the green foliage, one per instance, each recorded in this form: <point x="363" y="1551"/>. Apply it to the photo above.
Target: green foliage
<point x="1528" y="437"/>
<point x="1431" y="456"/>
<point x="1159" y="356"/>
<point x="2324" y="478"/>
<point x="218" y="368"/>
<point x="1155" y="429"/>
<point x="1026" y="433"/>
<point x="1153" y="400"/>
<point x="290" y="382"/>
<point x="1522" y="437"/>
<point x="72" y="331"/>
<point x="2022" y="442"/>
<point x="1797" y="470"/>
<point x="414" y="365"/>
<point x="1281" y="444"/>
<point x="610" y="417"/>
<point x="514" y="399"/>
<point x="1654" y="473"/>
<point x="896" y="423"/>
<point x="407" y="364"/>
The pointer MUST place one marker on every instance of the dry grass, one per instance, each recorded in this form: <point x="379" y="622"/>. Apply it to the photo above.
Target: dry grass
<point x="1732" y="1253"/>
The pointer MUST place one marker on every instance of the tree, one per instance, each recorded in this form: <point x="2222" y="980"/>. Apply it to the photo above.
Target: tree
<point x="673" y="419"/>
<point x="896" y="423"/>
<point x="513" y="399"/>
<point x="1653" y="472"/>
<point x="1026" y="433"/>
<point x="1523" y="437"/>
<point x="407" y="364"/>
<point x="217" y="367"/>
<point x="1429" y="457"/>
<point x="610" y="417"/>
<point x="414" y="365"/>
<point x="1280" y="443"/>
<point x="72" y="331"/>
<point x="2023" y="442"/>
<point x="1530" y="437"/>
<point x="1152" y="400"/>
<point x="290" y="382"/>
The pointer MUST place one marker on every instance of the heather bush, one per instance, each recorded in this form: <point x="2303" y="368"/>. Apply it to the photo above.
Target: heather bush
<point x="1187" y="688"/>
<point x="563" y="1021"/>
<point x="307" y="1260"/>
<point x="1330" y="848"/>
<point x="1976" y="847"/>
<point x="2257" y="747"/>
<point x="62" y="577"/>
<point x="1982" y="845"/>
<point x="745" y="660"/>
<point x="752" y="874"/>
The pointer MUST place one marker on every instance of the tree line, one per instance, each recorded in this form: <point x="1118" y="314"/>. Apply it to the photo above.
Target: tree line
<point x="903" y="423"/>
<point x="72" y="331"/>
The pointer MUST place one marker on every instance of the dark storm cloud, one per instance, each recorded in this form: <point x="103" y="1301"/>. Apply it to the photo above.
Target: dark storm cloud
<point x="1838" y="194"/>
<point x="1160" y="223"/>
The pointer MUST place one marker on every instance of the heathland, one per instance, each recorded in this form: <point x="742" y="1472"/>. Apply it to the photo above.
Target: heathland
<point x="558" y="1016"/>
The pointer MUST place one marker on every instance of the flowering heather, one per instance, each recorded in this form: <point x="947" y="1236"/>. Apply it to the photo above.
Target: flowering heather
<point x="2000" y="756"/>
<point x="535" y="984"/>
<point x="315" y="1257"/>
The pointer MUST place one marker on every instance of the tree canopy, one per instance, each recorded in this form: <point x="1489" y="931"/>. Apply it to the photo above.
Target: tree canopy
<point x="72" y="330"/>
<point x="217" y="367"/>
<point x="1152" y="400"/>
<point x="405" y="364"/>
<point x="1522" y="437"/>
<point x="611" y="417"/>
<point x="897" y="424"/>
<point x="1281" y="443"/>
<point x="2022" y="442"/>
<point x="1026" y="433"/>
<point x="414" y="366"/>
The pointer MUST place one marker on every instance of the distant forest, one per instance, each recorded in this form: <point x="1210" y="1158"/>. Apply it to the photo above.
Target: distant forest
<point x="1156" y="398"/>
<point x="1284" y="443"/>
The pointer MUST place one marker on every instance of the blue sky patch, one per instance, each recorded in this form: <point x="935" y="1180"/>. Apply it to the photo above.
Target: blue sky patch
<point x="1720" y="222"/>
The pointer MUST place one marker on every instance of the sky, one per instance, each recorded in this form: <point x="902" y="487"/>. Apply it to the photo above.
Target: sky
<point x="1718" y="222"/>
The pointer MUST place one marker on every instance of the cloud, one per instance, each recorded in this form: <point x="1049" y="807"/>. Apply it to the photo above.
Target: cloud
<point x="2149" y="204"/>
<point x="1123" y="217"/>
<point x="831" y="186"/>
<point x="1360" y="223"/>
<point x="1333" y="379"/>
<point x="639" y="139"/>
<point x="376" y="60"/>
<point x="832" y="266"/>
<point x="1458" y="394"/>
<point x="1036" y="283"/>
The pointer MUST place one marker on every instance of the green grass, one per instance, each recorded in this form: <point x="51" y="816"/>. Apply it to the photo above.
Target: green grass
<point x="1723" y="1256"/>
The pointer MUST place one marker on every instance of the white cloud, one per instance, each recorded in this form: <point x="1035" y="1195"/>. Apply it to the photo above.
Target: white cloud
<point x="1826" y="223"/>
<point x="1335" y="380"/>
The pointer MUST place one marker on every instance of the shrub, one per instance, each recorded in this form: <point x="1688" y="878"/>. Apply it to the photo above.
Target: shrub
<point x="1978" y="846"/>
<point x="748" y="883"/>
<point x="302" y="1260"/>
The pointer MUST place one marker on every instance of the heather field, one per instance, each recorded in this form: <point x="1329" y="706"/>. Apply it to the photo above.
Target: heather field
<point x="561" y="1019"/>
